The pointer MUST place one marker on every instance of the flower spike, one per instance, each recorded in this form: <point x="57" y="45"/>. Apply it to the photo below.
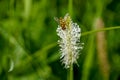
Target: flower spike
<point x="69" y="42"/>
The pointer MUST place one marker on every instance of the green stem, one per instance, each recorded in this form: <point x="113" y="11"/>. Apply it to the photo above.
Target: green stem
<point x="70" y="7"/>
<point x="104" y="29"/>
<point x="70" y="73"/>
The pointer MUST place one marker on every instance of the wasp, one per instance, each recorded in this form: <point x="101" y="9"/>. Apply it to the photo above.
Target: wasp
<point x="61" y="22"/>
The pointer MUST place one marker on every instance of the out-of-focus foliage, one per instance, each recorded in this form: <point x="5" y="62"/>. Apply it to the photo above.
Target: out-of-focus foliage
<point x="28" y="39"/>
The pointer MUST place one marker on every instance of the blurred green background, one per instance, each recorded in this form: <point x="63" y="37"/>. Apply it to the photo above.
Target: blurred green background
<point x="28" y="39"/>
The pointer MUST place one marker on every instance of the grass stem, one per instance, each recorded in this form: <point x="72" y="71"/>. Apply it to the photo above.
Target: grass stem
<point x="99" y="30"/>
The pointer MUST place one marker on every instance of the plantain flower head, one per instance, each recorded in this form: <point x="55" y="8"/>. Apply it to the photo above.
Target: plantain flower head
<point x="69" y="42"/>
